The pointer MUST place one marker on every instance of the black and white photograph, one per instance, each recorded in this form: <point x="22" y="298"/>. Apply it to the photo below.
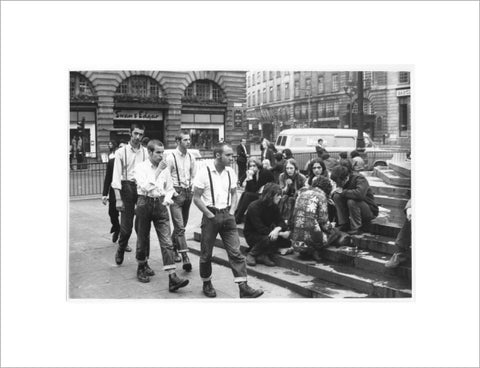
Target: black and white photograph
<point x="299" y="179"/>
<point x="240" y="184"/>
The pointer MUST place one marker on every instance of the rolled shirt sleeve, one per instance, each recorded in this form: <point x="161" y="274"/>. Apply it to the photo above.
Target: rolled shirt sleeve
<point x="117" y="170"/>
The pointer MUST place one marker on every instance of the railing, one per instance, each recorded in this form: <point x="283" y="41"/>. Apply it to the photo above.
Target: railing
<point x="87" y="180"/>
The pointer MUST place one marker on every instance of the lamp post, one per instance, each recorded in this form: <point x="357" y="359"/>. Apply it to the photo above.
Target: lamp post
<point x="360" y="140"/>
<point x="350" y="90"/>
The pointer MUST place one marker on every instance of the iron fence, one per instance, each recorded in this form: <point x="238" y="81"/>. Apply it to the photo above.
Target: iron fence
<point x="87" y="179"/>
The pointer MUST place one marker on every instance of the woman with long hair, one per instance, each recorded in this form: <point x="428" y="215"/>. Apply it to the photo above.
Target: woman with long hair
<point x="290" y="181"/>
<point x="266" y="151"/>
<point x="316" y="167"/>
<point x="265" y="231"/>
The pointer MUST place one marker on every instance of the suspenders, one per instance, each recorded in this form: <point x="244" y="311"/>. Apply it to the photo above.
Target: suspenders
<point x="125" y="164"/>
<point x="176" y="167"/>
<point x="211" y="187"/>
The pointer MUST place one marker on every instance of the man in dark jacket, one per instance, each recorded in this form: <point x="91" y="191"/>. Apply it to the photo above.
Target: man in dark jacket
<point x="108" y="195"/>
<point x="265" y="231"/>
<point x="354" y="200"/>
<point x="242" y="156"/>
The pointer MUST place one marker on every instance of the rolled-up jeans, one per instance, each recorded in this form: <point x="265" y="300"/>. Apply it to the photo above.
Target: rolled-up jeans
<point x="179" y="210"/>
<point x="152" y="210"/>
<point x="224" y="224"/>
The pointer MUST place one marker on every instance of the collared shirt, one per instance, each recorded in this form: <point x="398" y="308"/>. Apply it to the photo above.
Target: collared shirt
<point x="123" y="168"/>
<point x="147" y="185"/>
<point x="186" y="168"/>
<point x="221" y="187"/>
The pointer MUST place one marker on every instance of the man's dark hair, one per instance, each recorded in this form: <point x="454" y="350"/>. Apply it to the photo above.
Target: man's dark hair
<point x="323" y="183"/>
<point x="315" y="161"/>
<point x="288" y="153"/>
<point x="152" y="144"/>
<point x="278" y="156"/>
<point x="320" y="140"/>
<point x="137" y="126"/>
<point x="354" y="154"/>
<point x="145" y="140"/>
<point x="269" y="191"/>
<point x="339" y="173"/>
<point x="343" y="155"/>
<point x="178" y="137"/>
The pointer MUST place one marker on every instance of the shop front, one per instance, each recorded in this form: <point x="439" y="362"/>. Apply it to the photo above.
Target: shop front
<point x="205" y="129"/>
<point x="153" y="120"/>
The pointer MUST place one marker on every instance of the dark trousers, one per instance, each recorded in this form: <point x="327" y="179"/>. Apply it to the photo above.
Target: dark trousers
<point x="245" y="200"/>
<point x="112" y="212"/>
<point x="179" y="210"/>
<point x="242" y="170"/>
<point x="224" y="224"/>
<point x="151" y="210"/>
<point x="357" y="213"/>
<point x="261" y="244"/>
<point x="404" y="237"/>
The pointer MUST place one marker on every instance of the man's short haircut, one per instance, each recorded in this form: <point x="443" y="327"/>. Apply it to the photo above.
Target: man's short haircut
<point x="323" y="183"/>
<point x="339" y="173"/>
<point x="344" y="155"/>
<point x="269" y="191"/>
<point x="178" y="137"/>
<point x="354" y="154"/>
<point x="320" y="140"/>
<point x="152" y="144"/>
<point x="219" y="148"/>
<point x="278" y="156"/>
<point x="137" y="126"/>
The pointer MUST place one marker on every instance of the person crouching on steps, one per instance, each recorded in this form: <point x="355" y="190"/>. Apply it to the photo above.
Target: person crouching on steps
<point x="215" y="194"/>
<point x="265" y="231"/>
<point x="155" y="190"/>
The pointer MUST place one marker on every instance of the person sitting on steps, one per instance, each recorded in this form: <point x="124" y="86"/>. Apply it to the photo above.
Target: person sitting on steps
<point x="265" y="231"/>
<point x="403" y="241"/>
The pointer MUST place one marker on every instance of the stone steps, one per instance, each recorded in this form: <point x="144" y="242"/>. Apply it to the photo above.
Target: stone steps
<point x="375" y="243"/>
<point x="402" y="168"/>
<point x="391" y="177"/>
<point x="302" y="284"/>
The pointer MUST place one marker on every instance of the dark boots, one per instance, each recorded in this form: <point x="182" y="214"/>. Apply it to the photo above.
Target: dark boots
<point x="248" y="292"/>
<point x="175" y="282"/>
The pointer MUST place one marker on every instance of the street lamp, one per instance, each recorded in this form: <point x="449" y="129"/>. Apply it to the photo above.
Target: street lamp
<point x="350" y="90"/>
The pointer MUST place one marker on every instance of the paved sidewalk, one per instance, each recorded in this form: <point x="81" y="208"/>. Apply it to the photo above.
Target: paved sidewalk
<point x="94" y="274"/>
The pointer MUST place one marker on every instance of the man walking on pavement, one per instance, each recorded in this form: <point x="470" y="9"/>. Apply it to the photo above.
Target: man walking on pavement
<point x="242" y="156"/>
<point x="181" y="166"/>
<point x="215" y="194"/>
<point x="155" y="190"/>
<point x="124" y="186"/>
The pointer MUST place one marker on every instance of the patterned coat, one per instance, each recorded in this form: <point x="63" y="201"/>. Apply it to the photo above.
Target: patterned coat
<point x="310" y="219"/>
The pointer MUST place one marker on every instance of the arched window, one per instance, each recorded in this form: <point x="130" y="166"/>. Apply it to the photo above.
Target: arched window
<point x="139" y="88"/>
<point x="81" y="88"/>
<point x="204" y="92"/>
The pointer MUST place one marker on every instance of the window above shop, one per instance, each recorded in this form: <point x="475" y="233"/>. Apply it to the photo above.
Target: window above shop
<point x="204" y="92"/>
<point x="140" y="89"/>
<point x="81" y="89"/>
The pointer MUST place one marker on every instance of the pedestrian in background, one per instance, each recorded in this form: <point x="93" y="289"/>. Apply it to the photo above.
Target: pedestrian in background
<point x="155" y="190"/>
<point x="215" y="194"/>
<point x="123" y="182"/>
<point x="319" y="148"/>
<point x="108" y="194"/>
<point x="242" y="156"/>
<point x="182" y="168"/>
<point x="266" y="151"/>
<point x="357" y="161"/>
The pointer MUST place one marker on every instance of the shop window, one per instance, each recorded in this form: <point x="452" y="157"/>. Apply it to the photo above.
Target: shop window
<point x="304" y="111"/>
<point x="336" y="107"/>
<point x="335" y="84"/>
<point x="330" y="111"/>
<point x="297" y="112"/>
<point x="404" y="77"/>
<point x="404" y="115"/>
<point x="264" y="95"/>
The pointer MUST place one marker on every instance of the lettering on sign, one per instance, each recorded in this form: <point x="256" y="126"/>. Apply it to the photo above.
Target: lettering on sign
<point x="138" y="115"/>
<point x="403" y="92"/>
<point x="238" y="118"/>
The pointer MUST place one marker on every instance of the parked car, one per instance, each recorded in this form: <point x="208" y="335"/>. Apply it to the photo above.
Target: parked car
<point x="302" y="143"/>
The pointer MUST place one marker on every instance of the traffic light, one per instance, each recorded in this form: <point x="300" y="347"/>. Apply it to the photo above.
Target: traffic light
<point x="81" y="126"/>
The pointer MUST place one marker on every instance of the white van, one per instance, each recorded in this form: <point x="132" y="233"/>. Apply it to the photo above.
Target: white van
<point x="302" y="143"/>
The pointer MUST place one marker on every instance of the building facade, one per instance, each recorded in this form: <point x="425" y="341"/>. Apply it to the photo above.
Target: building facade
<point x="103" y="105"/>
<point x="278" y="100"/>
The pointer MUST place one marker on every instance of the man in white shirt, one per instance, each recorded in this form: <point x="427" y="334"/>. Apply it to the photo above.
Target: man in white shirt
<point x="215" y="194"/>
<point x="123" y="183"/>
<point x="155" y="190"/>
<point x="181" y="165"/>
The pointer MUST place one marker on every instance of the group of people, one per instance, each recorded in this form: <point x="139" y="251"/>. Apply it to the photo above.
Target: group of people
<point x="147" y="188"/>
<point x="284" y="210"/>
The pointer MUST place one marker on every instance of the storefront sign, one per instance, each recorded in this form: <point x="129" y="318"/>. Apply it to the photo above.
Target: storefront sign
<point x="238" y="118"/>
<point x="138" y="115"/>
<point x="403" y="92"/>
